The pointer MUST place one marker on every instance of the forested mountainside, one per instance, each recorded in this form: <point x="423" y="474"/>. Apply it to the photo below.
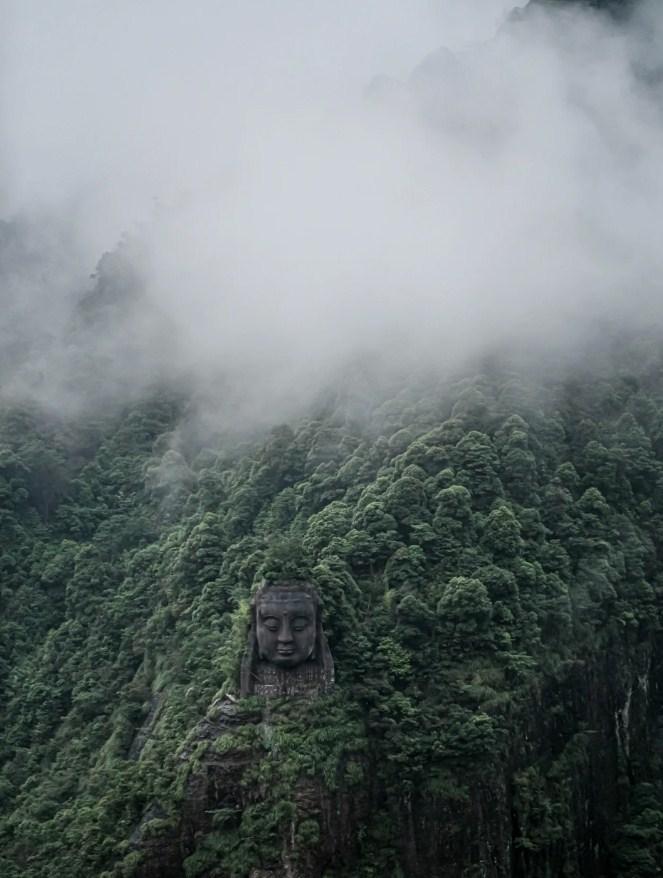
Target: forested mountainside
<point x="484" y="532"/>
<point x="488" y="553"/>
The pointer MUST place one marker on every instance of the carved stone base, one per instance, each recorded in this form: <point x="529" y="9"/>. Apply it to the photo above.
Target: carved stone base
<point x="306" y="680"/>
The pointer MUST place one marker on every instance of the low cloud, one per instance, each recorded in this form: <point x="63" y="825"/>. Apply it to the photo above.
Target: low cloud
<point x="307" y="186"/>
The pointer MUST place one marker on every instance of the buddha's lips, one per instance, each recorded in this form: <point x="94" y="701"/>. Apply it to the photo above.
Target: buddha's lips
<point x="286" y="650"/>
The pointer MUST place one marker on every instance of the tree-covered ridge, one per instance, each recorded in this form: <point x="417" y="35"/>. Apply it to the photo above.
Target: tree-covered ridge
<point x="616" y="7"/>
<point x="480" y="546"/>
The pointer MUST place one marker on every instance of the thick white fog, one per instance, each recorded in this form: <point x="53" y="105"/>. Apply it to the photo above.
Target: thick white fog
<point x="314" y="181"/>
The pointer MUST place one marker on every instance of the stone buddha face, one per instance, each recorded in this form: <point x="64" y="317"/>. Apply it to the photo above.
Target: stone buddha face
<point x="285" y="626"/>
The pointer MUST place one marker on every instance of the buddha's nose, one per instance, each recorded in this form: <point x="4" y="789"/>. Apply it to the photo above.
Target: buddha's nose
<point x="285" y="634"/>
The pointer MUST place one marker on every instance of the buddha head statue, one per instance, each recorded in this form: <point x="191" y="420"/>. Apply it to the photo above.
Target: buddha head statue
<point x="286" y="624"/>
<point x="285" y="634"/>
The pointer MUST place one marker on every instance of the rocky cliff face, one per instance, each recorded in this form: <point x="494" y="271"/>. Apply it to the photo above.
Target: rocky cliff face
<point x="223" y="762"/>
<point x="551" y="808"/>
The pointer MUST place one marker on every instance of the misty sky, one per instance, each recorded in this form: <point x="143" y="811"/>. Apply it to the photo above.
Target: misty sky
<point x="315" y="179"/>
<point x="121" y="103"/>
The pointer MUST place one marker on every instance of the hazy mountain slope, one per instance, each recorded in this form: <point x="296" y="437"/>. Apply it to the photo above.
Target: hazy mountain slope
<point x="488" y="555"/>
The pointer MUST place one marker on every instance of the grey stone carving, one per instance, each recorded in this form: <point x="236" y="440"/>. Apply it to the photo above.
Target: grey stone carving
<point x="287" y="652"/>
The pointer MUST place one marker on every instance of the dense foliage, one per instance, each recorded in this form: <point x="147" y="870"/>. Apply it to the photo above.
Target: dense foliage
<point x="474" y="543"/>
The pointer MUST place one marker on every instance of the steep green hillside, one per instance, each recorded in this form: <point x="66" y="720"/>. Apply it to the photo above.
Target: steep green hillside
<point x="488" y="553"/>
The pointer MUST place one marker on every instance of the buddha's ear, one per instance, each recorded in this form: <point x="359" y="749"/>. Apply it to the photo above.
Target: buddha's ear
<point x="256" y="644"/>
<point x="318" y="634"/>
<point x="248" y="663"/>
